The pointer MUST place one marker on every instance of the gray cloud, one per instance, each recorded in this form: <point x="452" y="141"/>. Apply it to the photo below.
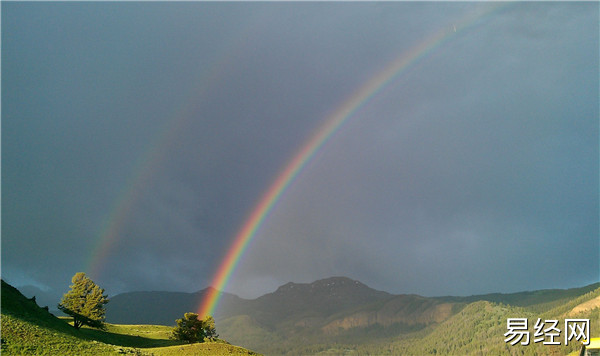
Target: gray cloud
<point x="474" y="171"/>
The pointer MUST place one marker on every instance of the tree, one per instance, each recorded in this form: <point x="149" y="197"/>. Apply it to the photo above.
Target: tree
<point x="208" y="325"/>
<point x="189" y="328"/>
<point x="84" y="302"/>
<point x="192" y="329"/>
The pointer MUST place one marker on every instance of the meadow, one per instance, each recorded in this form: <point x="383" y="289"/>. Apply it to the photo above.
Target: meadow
<point x="28" y="329"/>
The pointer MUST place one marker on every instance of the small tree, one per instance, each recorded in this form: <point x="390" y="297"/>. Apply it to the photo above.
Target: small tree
<point x="189" y="329"/>
<point x="84" y="302"/>
<point x="208" y="325"/>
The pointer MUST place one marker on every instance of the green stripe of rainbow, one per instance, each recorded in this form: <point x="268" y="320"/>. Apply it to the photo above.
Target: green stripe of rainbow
<point x="329" y="128"/>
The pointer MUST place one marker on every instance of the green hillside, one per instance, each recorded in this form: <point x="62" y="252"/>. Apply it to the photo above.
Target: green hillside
<point x="539" y="300"/>
<point x="28" y="329"/>
<point x="418" y="325"/>
<point x="478" y="330"/>
<point x="333" y="316"/>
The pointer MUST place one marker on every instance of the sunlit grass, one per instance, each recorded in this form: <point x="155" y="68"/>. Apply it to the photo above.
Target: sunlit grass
<point x="207" y="348"/>
<point x="22" y="337"/>
<point x="28" y="329"/>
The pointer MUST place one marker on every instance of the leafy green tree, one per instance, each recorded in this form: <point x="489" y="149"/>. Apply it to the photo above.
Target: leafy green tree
<point x="84" y="302"/>
<point x="208" y="325"/>
<point x="189" y="329"/>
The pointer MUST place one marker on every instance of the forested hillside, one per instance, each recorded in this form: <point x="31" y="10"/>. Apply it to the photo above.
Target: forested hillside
<point x="414" y="325"/>
<point x="341" y="315"/>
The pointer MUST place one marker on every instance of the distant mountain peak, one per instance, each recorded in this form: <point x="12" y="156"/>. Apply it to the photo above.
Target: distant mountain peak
<point x="338" y="281"/>
<point x="323" y="297"/>
<point x="326" y="284"/>
<point x="208" y="289"/>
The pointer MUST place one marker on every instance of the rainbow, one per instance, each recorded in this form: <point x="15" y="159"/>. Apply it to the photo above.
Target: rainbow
<point x="150" y="162"/>
<point x="330" y="126"/>
<point x="142" y="174"/>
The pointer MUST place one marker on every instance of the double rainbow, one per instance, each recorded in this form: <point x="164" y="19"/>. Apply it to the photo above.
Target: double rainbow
<point x="149" y="163"/>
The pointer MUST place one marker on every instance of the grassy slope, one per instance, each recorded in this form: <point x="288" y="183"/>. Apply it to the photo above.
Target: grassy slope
<point x="211" y="348"/>
<point x="30" y="330"/>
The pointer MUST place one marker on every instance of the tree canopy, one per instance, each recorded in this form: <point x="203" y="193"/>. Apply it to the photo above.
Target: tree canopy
<point x="84" y="302"/>
<point x="192" y="329"/>
<point x="208" y="325"/>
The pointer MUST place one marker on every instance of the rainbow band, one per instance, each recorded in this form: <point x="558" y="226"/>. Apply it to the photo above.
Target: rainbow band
<point x="150" y="162"/>
<point x="330" y="127"/>
<point x="143" y="172"/>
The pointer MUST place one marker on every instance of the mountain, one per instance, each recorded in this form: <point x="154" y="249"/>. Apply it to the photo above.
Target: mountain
<point x="539" y="299"/>
<point x="160" y="308"/>
<point x="337" y="304"/>
<point x="318" y="299"/>
<point x="339" y="314"/>
<point x="479" y="327"/>
<point x="336" y="309"/>
<point x="303" y="302"/>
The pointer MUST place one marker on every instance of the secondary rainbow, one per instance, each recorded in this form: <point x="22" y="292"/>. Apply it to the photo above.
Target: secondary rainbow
<point x="149" y="163"/>
<point x="331" y="125"/>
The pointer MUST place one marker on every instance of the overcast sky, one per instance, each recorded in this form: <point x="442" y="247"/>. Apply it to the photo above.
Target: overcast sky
<point x="474" y="171"/>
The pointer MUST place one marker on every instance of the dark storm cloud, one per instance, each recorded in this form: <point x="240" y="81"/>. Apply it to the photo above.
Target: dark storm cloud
<point x="475" y="171"/>
<point x="480" y="166"/>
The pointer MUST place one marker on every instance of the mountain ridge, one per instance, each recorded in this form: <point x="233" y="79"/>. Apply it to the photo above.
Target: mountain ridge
<point x="158" y="307"/>
<point x="325" y="298"/>
<point x="493" y="297"/>
<point x="311" y="317"/>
